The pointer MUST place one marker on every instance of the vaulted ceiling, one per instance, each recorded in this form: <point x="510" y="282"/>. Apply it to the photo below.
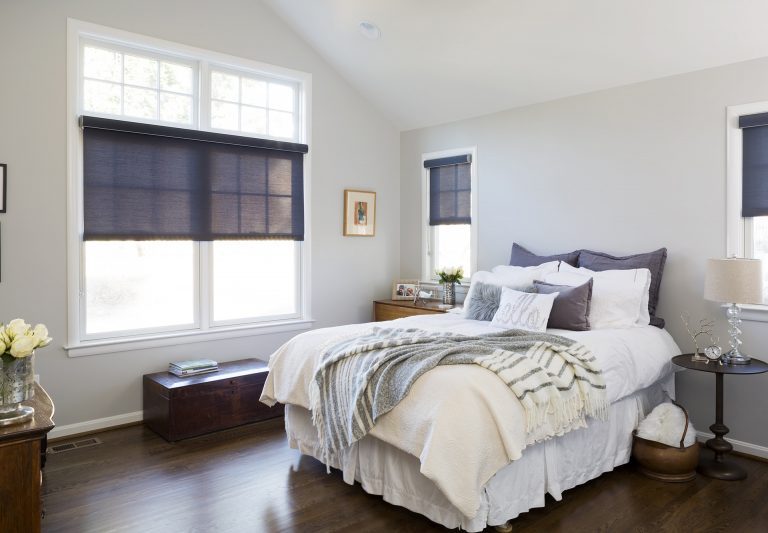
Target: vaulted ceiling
<point x="444" y="60"/>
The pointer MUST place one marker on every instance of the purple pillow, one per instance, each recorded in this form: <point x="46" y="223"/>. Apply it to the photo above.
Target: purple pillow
<point x="653" y="261"/>
<point x="525" y="258"/>
<point x="571" y="307"/>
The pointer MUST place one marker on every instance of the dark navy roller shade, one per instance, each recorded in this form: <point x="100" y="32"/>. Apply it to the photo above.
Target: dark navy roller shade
<point x="754" y="188"/>
<point x="147" y="182"/>
<point x="450" y="190"/>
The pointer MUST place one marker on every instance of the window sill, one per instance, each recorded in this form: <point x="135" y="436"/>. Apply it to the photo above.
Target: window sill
<point x="752" y="313"/>
<point x="103" y="347"/>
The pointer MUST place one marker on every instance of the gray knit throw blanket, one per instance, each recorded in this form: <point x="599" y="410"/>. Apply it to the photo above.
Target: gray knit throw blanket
<point x="361" y="378"/>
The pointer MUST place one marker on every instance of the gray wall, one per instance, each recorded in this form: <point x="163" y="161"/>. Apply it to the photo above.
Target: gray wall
<point x="624" y="170"/>
<point x="352" y="146"/>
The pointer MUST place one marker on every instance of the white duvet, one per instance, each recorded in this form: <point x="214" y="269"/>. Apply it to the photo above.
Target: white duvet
<point x="462" y="422"/>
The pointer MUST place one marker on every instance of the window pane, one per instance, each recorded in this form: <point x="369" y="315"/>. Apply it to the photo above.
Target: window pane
<point x="254" y="119"/>
<point x="140" y="103"/>
<point x="281" y="124"/>
<point x="280" y="97"/>
<point x="452" y="243"/>
<point x="101" y="97"/>
<point x="254" y="92"/>
<point x="176" y="108"/>
<point x="137" y="285"/>
<point x="224" y="115"/>
<point x="225" y="87"/>
<point x="102" y="64"/>
<point x="760" y="244"/>
<point x="141" y="71"/>
<point x="177" y="78"/>
<point x="254" y="279"/>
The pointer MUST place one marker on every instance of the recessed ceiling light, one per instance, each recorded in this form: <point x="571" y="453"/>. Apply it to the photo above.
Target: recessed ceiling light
<point x="369" y="30"/>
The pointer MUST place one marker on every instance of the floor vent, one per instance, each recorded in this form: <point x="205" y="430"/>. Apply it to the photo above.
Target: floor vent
<point x="85" y="443"/>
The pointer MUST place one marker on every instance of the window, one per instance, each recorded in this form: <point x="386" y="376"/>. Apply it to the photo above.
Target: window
<point x="747" y="189"/>
<point x="184" y="225"/>
<point x="449" y="189"/>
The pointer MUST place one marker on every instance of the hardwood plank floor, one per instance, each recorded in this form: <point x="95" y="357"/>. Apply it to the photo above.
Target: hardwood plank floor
<point x="248" y="479"/>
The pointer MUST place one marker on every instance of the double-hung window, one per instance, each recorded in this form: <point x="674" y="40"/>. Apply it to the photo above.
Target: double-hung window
<point x="186" y="191"/>
<point x="747" y="189"/>
<point x="449" y="190"/>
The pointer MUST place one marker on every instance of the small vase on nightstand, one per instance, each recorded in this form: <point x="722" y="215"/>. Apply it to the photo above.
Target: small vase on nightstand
<point x="449" y="293"/>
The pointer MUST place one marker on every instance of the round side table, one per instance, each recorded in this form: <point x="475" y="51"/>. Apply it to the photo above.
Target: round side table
<point x="717" y="467"/>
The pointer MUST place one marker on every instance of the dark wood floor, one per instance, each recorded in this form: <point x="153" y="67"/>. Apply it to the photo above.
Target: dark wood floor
<point x="247" y="479"/>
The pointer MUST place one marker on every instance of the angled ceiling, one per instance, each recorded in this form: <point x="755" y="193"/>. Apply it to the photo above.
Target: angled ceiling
<point x="444" y="60"/>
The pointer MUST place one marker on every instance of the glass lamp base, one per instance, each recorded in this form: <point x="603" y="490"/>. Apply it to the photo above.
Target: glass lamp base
<point x="731" y="358"/>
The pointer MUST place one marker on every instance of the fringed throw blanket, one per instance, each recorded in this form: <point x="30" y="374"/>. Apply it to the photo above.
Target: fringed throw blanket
<point x="360" y="379"/>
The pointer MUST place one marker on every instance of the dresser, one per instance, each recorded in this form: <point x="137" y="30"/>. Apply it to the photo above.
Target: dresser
<point x="22" y="450"/>
<point x="392" y="309"/>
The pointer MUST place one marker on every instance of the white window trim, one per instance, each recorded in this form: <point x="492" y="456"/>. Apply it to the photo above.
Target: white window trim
<point x="76" y="346"/>
<point x="739" y="229"/>
<point x="427" y="235"/>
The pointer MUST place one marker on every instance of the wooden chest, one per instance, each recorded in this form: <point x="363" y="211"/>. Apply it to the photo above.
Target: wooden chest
<point x="179" y="408"/>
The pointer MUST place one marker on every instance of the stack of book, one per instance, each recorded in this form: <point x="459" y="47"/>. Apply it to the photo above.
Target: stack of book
<point x="193" y="367"/>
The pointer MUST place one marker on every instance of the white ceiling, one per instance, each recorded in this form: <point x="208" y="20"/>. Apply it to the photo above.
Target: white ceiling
<point x="444" y="60"/>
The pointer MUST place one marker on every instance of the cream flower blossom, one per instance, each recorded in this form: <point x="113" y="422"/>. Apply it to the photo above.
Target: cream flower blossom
<point x="17" y="327"/>
<point x="20" y="339"/>
<point x="23" y="346"/>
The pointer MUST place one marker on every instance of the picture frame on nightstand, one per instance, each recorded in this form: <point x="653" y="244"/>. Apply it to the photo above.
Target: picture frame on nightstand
<point x="405" y="289"/>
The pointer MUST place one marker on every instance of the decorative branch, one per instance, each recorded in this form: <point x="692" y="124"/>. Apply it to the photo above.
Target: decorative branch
<point x="706" y="326"/>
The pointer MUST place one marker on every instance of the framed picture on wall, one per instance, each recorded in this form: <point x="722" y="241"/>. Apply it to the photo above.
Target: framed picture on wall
<point x="359" y="213"/>
<point x="3" y="187"/>
<point x="405" y="289"/>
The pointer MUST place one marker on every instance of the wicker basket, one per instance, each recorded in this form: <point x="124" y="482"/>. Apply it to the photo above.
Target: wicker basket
<point x="666" y="463"/>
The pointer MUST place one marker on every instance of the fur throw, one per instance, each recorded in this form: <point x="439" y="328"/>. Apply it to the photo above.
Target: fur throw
<point x="665" y="424"/>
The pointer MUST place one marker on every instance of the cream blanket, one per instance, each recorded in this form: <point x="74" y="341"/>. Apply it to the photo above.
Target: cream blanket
<point x="361" y="379"/>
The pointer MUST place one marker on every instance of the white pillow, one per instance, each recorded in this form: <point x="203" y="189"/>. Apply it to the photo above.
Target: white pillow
<point x="619" y="297"/>
<point x="510" y="276"/>
<point x="516" y="276"/>
<point x="523" y="310"/>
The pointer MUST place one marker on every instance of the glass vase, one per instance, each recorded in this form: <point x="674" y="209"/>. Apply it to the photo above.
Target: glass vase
<point x="449" y="293"/>
<point x="17" y="384"/>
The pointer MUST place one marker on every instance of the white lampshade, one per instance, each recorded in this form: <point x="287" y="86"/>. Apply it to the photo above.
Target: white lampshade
<point x="734" y="280"/>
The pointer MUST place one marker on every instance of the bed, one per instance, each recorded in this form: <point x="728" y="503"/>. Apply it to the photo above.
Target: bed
<point x="464" y="415"/>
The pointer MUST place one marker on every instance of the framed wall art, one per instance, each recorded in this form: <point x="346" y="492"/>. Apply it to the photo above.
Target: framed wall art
<point x="405" y="289"/>
<point x="3" y="185"/>
<point x="359" y="213"/>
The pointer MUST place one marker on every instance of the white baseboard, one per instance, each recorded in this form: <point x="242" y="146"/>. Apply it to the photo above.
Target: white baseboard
<point x="95" y="425"/>
<point x="738" y="445"/>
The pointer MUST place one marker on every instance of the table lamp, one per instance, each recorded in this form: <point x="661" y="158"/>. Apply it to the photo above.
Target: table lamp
<point x="734" y="281"/>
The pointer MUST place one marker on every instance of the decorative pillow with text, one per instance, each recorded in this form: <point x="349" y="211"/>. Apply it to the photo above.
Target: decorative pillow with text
<point x="523" y="310"/>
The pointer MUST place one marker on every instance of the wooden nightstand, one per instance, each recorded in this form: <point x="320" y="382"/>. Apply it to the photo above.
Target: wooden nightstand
<point x="392" y="309"/>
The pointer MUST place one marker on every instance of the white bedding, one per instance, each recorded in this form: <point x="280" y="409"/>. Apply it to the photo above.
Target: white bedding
<point x="549" y="467"/>
<point x="464" y="414"/>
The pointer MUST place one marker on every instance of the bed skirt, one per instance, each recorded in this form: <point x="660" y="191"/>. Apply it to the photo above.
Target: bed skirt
<point x="549" y="467"/>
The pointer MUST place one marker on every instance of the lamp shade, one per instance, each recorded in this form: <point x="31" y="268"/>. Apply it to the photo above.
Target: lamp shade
<point x="735" y="280"/>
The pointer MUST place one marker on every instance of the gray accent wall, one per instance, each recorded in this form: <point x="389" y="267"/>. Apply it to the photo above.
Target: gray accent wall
<point x="353" y="146"/>
<point x="624" y="170"/>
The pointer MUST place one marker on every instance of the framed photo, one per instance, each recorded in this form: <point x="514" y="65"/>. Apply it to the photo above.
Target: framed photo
<point x="359" y="213"/>
<point x="3" y="186"/>
<point x="405" y="289"/>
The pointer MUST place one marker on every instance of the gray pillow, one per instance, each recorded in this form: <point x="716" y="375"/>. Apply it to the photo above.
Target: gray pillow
<point x="525" y="258"/>
<point x="484" y="302"/>
<point x="571" y="307"/>
<point x="653" y="261"/>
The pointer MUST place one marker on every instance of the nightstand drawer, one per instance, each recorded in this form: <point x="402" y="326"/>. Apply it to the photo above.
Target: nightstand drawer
<point x="393" y="309"/>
